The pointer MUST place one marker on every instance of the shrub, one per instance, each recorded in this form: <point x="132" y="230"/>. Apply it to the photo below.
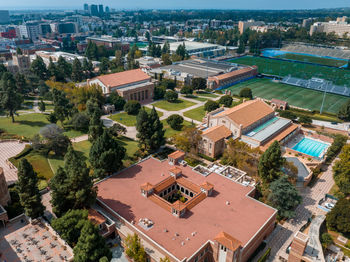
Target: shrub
<point x="132" y="107"/>
<point x="335" y="148"/>
<point x="226" y="101"/>
<point x="168" y="84"/>
<point x="306" y="120"/>
<point x="288" y="114"/>
<point x="266" y="255"/>
<point x="175" y="121"/>
<point x="117" y="101"/>
<point x="171" y="96"/>
<point x="199" y="83"/>
<point x="27" y="149"/>
<point x="187" y="90"/>
<point x="246" y="92"/>
<point x="211" y="105"/>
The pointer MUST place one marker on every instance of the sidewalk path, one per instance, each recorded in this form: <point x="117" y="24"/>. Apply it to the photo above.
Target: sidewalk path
<point x="79" y="139"/>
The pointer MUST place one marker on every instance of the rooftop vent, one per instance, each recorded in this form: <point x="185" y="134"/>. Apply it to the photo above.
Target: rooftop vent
<point x="182" y="243"/>
<point x="194" y="233"/>
<point x="227" y="203"/>
<point x="176" y="234"/>
<point x="165" y="230"/>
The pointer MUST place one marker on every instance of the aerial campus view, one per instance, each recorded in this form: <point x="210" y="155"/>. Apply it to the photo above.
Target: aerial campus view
<point x="175" y="131"/>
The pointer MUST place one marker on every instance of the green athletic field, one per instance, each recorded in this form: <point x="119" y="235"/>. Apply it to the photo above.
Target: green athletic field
<point x="313" y="59"/>
<point x="304" y="71"/>
<point x="296" y="96"/>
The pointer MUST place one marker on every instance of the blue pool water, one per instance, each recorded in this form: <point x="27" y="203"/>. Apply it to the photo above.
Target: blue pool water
<point x="310" y="147"/>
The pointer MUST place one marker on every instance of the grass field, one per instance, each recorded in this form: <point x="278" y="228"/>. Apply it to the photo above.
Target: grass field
<point x="313" y="59"/>
<point x="169" y="132"/>
<point x="129" y="120"/>
<point x="198" y="98"/>
<point x="296" y="96"/>
<point x="305" y="71"/>
<point x="180" y="104"/>
<point x="201" y="93"/>
<point x="196" y="114"/>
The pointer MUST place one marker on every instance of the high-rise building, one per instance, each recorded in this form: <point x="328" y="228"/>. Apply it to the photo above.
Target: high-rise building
<point x="86" y="7"/>
<point x="307" y="22"/>
<point x="30" y="31"/>
<point x="4" y="16"/>
<point x="100" y="9"/>
<point x="339" y="27"/>
<point x="94" y="10"/>
<point x="244" y="25"/>
<point x="107" y="9"/>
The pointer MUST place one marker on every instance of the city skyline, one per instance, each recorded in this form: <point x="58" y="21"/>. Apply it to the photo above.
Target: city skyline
<point x="181" y="4"/>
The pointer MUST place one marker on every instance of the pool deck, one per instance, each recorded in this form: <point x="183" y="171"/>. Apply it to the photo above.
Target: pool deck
<point x="292" y="144"/>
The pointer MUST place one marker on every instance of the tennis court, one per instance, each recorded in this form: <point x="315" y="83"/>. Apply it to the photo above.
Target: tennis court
<point x="300" y="70"/>
<point x="296" y="96"/>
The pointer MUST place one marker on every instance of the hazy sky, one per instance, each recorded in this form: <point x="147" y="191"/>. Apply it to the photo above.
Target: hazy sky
<point x="177" y="4"/>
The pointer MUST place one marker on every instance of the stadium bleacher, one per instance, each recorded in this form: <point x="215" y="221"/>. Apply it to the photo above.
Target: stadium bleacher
<point x="317" y="50"/>
<point x="317" y="84"/>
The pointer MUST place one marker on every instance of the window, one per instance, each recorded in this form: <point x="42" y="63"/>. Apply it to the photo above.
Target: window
<point x="146" y="94"/>
<point x="186" y="192"/>
<point x="143" y="95"/>
<point x="223" y="248"/>
<point x="177" y="187"/>
<point x="182" y="189"/>
<point x="191" y="194"/>
<point x="161" y="194"/>
<point x="196" y="259"/>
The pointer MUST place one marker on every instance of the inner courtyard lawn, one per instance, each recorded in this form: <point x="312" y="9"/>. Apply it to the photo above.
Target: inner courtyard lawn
<point x="169" y="132"/>
<point x="129" y="120"/>
<point x="196" y="114"/>
<point x="28" y="125"/>
<point x="176" y="106"/>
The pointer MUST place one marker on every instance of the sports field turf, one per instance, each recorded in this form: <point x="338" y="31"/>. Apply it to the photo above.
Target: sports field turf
<point x="305" y="71"/>
<point x="296" y="96"/>
<point x="314" y="59"/>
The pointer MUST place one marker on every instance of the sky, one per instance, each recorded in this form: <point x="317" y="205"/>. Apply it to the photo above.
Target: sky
<point x="176" y="4"/>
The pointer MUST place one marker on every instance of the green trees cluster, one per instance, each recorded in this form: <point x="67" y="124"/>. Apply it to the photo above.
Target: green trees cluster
<point x="338" y="218"/>
<point x="270" y="163"/>
<point x="10" y="97"/>
<point x="171" y="96"/>
<point x="226" y="100"/>
<point x="134" y="248"/>
<point x="337" y="145"/>
<point x="106" y="155"/>
<point x="154" y="49"/>
<point x="150" y="131"/>
<point x="246" y="92"/>
<point x="29" y="194"/>
<point x="116" y="100"/>
<point x="62" y="106"/>
<point x="132" y="107"/>
<point x="344" y="111"/>
<point x="175" y="121"/>
<point x="341" y="171"/>
<point x="211" y="105"/>
<point x="72" y="186"/>
<point x="199" y="83"/>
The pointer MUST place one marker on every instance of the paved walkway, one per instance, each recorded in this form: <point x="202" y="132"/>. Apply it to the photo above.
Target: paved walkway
<point x="7" y="150"/>
<point x="79" y="138"/>
<point x="283" y="234"/>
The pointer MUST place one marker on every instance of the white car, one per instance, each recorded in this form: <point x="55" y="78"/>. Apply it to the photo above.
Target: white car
<point x="329" y="205"/>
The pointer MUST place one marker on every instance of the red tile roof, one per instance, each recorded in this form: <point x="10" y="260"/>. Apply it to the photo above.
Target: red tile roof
<point x="233" y="73"/>
<point x="217" y="133"/>
<point x="123" y="78"/>
<point x="177" y="154"/>
<point x="247" y="113"/>
<point x="228" y="241"/>
<point x="95" y="217"/>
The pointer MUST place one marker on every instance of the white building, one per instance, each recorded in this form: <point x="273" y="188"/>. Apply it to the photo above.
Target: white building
<point x="29" y="30"/>
<point x="199" y="49"/>
<point x="45" y="55"/>
<point x="244" y="25"/>
<point x="339" y="27"/>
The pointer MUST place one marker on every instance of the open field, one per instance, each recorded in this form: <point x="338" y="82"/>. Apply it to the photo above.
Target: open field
<point x="201" y="93"/>
<point x="296" y="96"/>
<point x="313" y="59"/>
<point x="196" y="114"/>
<point x="129" y="120"/>
<point x="180" y="104"/>
<point x="29" y="125"/>
<point x="305" y="71"/>
<point x="169" y="132"/>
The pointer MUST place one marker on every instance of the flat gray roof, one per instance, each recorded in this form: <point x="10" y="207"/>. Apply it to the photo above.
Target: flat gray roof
<point x="271" y="129"/>
<point x="302" y="171"/>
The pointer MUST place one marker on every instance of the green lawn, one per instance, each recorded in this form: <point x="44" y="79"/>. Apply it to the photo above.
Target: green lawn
<point x="305" y="71"/>
<point x="129" y="120"/>
<point x="198" y="98"/>
<point x="29" y="125"/>
<point x="296" y="96"/>
<point x="196" y="114"/>
<point x="201" y="93"/>
<point x="314" y="59"/>
<point x="169" y="132"/>
<point x="180" y="104"/>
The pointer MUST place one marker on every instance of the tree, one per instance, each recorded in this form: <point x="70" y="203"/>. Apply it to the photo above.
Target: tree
<point x="168" y="83"/>
<point x="104" y="66"/>
<point x="199" y="83"/>
<point x="19" y="51"/>
<point x="73" y="183"/>
<point x="284" y="197"/>
<point x="171" y="96"/>
<point x="159" y="92"/>
<point x="288" y="114"/>
<point x="241" y="47"/>
<point x="55" y="140"/>
<point x="77" y="71"/>
<point x="143" y="129"/>
<point x="91" y="51"/>
<point x="270" y="163"/>
<point x="326" y="240"/>
<point x="211" y="105"/>
<point x="95" y="127"/>
<point x="52" y="118"/>
<point x="246" y="92"/>
<point x="117" y="101"/>
<point x="132" y="107"/>
<point x="91" y="245"/>
<point x="117" y="130"/>
<point x="53" y="72"/>
<point x="226" y="101"/>
<point x="21" y="83"/>
<point x="148" y="36"/>
<point x="187" y="90"/>
<point x="165" y="259"/>
<point x="344" y="111"/>
<point x="175" y="121"/>
<point x="106" y="155"/>
<point x="88" y="68"/>
<point x="134" y="248"/>
<point x="64" y="68"/>
<point x="70" y="225"/>
<point x="80" y="122"/>
<point x="29" y="194"/>
<point x="337" y="145"/>
<point x="38" y="68"/>
<point x="341" y="171"/>
<point x="181" y="51"/>
<point x="305" y="120"/>
<point x="188" y="140"/>
<point x="62" y="106"/>
<point x="42" y="106"/>
<point x="166" y="59"/>
<point x="338" y="218"/>
<point x="10" y="99"/>
<point x="157" y="132"/>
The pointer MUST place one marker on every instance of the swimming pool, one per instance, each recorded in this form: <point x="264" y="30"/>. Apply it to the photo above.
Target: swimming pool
<point x="310" y="147"/>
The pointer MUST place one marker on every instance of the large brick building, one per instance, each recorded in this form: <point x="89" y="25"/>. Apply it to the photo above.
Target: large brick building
<point x="183" y="214"/>
<point x="131" y="85"/>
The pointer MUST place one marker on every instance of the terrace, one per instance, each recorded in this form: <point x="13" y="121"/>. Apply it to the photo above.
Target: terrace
<point x="22" y="241"/>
